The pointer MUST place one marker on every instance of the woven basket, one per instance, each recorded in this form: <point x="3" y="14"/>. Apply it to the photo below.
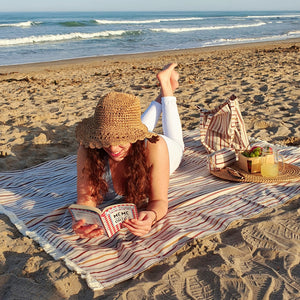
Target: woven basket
<point x="290" y="173"/>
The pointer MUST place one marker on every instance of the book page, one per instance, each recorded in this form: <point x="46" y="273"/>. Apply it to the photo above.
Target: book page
<point x="89" y="216"/>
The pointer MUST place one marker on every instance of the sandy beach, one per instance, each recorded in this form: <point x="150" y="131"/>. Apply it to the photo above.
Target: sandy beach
<point x="257" y="258"/>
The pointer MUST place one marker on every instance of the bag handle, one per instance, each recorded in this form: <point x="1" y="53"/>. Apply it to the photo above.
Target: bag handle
<point x="216" y="109"/>
<point x="232" y="106"/>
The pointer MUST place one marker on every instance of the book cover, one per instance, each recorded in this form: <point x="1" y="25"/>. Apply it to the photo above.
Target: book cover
<point x="110" y="218"/>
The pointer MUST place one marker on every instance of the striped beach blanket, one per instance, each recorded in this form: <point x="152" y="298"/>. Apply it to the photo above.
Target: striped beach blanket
<point x="36" y="201"/>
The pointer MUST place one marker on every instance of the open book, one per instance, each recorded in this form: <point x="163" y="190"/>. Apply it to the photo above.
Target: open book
<point x="110" y="218"/>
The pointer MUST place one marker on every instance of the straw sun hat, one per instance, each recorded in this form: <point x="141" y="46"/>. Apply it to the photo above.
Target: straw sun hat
<point x="116" y="121"/>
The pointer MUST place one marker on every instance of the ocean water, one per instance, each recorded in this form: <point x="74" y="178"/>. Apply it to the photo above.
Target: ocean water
<point x="38" y="37"/>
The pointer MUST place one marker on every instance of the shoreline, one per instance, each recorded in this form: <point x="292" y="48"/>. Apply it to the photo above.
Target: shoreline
<point x="143" y="55"/>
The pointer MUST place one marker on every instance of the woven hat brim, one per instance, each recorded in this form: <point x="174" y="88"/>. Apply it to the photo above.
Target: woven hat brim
<point x="90" y="136"/>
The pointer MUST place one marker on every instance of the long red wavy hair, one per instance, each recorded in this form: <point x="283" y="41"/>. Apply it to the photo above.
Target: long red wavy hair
<point x="137" y="173"/>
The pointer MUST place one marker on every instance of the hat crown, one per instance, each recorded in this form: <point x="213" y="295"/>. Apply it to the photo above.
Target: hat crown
<point x="117" y="110"/>
<point x="116" y="121"/>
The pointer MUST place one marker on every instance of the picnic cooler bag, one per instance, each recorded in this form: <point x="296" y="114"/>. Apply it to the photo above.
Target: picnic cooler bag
<point x="223" y="127"/>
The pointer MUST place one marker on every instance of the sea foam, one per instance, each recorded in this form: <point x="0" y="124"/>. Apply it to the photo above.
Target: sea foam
<point x="176" y="30"/>
<point x="59" y="37"/>
<point x="149" y="21"/>
<point x="20" y="24"/>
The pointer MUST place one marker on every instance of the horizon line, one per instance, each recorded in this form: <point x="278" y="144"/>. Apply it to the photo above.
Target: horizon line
<point x="178" y="10"/>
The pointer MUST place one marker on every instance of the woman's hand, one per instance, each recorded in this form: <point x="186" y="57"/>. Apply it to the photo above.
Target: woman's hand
<point x="87" y="230"/>
<point x="141" y="225"/>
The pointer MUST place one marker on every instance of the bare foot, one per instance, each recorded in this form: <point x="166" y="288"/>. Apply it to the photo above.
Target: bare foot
<point x="164" y="78"/>
<point x="174" y="80"/>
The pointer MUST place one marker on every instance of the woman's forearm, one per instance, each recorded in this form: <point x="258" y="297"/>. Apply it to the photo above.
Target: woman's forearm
<point x="160" y="208"/>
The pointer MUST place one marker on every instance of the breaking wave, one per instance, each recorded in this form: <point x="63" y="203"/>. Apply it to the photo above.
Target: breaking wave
<point x="62" y="37"/>
<point x="105" y="22"/>
<point x="20" y="24"/>
<point x="178" y="30"/>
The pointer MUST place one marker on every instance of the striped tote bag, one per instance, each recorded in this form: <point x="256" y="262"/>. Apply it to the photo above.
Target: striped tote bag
<point x="223" y="127"/>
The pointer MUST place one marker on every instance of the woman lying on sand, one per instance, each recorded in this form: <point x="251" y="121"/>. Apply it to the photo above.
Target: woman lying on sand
<point x="120" y="159"/>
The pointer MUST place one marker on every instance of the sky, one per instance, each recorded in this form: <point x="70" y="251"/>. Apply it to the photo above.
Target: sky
<point x="147" y="5"/>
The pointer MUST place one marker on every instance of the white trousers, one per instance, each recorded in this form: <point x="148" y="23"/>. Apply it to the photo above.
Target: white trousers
<point x="172" y="130"/>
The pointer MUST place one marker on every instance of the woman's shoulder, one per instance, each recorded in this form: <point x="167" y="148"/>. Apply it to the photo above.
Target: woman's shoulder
<point x="159" y="143"/>
<point x="157" y="149"/>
